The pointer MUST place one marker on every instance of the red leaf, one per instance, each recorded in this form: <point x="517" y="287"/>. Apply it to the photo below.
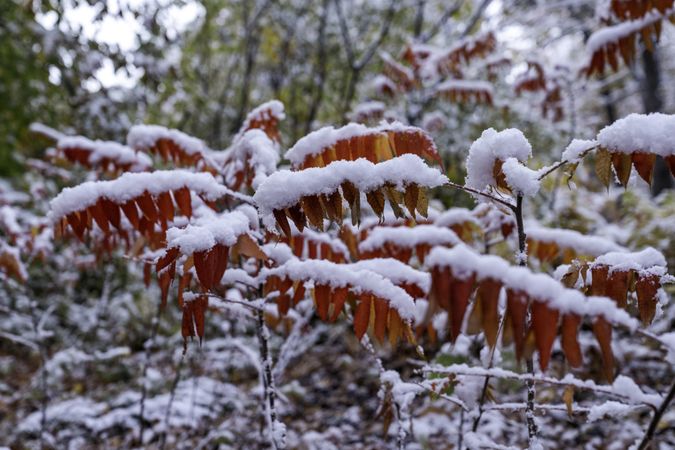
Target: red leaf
<point x="183" y="200"/>
<point x="204" y="271"/>
<point x="488" y="291"/>
<point x="147" y="206"/>
<point x="381" y="315"/>
<point x="617" y="287"/>
<point x="322" y="297"/>
<point x="165" y="206"/>
<point x="98" y="214"/>
<point x="112" y="212"/>
<point x="130" y="210"/>
<point x="169" y="256"/>
<point x="218" y="257"/>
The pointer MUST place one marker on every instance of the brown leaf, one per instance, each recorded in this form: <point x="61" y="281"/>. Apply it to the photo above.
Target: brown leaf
<point x="99" y="216"/>
<point x="395" y="327"/>
<point x="112" y="212"/>
<point x="569" y="341"/>
<point x="187" y="325"/>
<point x="218" y="257"/>
<point x="603" y="166"/>
<point x="603" y="333"/>
<point x="440" y="287"/>
<point x="281" y="219"/>
<point x="646" y="288"/>
<point x="410" y="198"/>
<point x="362" y="315"/>
<point x="671" y="163"/>
<point x="622" y="167"/>
<point x="545" y="326"/>
<point x="599" y="280"/>
<point x="568" y="398"/>
<point x="297" y="216"/>
<point x="313" y="210"/>
<point x="376" y="201"/>
<point x="169" y="256"/>
<point x="422" y="202"/>
<point x="201" y="303"/>
<point x="644" y="164"/>
<point x="248" y="247"/>
<point x="283" y="304"/>
<point x="333" y="204"/>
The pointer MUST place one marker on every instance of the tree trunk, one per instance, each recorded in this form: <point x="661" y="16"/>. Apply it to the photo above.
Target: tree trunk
<point x="652" y="102"/>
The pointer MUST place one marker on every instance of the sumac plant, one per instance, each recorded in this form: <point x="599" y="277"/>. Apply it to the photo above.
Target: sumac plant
<point x="351" y="229"/>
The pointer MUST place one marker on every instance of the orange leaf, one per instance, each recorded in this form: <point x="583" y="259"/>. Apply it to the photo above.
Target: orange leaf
<point x="201" y="303"/>
<point x="298" y="293"/>
<point x="339" y="297"/>
<point x="570" y="344"/>
<point x="362" y="315"/>
<point x="488" y="291"/>
<point x="297" y="216"/>
<point x="112" y="212"/>
<point x="460" y="291"/>
<point x="247" y="246"/>
<point x="98" y="214"/>
<point x="283" y="304"/>
<point x="313" y="210"/>
<point x="671" y="163"/>
<point x="545" y="326"/>
<point x="603" y="333"/>
<point x="599" y="280"/>
<point x="440" y="286"/>
<point x="617" y="287"/>
<point x="187" y="326"/>
<point x="517" y="311"/>
<point x="169" y="256"/>
<point x="218" y="261"/>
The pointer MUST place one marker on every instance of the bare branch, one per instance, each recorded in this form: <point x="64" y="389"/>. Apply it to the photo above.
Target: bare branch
<point x="436" y="27"/>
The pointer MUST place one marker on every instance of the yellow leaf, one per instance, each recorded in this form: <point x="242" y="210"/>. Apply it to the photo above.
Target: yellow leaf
<point x="568" y="398"/>
<point x="603" y="164"/>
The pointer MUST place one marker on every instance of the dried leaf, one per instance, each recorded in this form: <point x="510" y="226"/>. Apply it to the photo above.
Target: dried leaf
<point x="381" y="315"/>
<point x="376" y="201"/>
<point x="517" y="311"/>
<point x="568" y="398"/>
<point x="460" y="291"/>
<point x="248" y="247"/>
<point x="183" y="200"/>
<point x="282" y="221"/>
<point x="313" y="210"/>
<point x="339" y="298"/>
<point x="422" y="202"/>
<point x="488" y="292"/>
<point x="617" y="287"/>
<point x="410" y="198"/>
<point x="603" y="166"/>
<point x="322" y="299"/>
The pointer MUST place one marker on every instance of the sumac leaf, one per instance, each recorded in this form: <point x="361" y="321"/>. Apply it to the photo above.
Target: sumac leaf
<point x="362" y="315"/>
<point x="644" y="164"/>
<point x="183" y="200"/>
<point x="603" y="166"/>
<point x="545" y="326"/>
<point x="569" y="340"/>
<point x="646" y="288"/>
<point x="622" y="167"/>
<point x="488" y="291"/>
<point x="322" y="298"/>
<point x="603" y="333"/>
<point x="517" y="311"/>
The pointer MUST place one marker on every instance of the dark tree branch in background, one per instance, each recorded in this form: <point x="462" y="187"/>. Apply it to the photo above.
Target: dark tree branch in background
<point x="477" y="15"/>
<point x="649" y="435"/>
<point x="357" y="65"/>
<point x="320" y="68"/>
<point x="436" y="27"/>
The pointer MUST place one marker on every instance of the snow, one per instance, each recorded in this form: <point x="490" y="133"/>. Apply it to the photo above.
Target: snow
<point x="647" y="261"/>
<point x="456" y="216"/>
<point x="396" y="271"/>
<point x="317" y="141"/>
<point x="257" y="150"/>
<point x="576" y="149"/>
<point x="580" y="243"/>
<point x="206" y="232"/>
<point x="521" y="179"/>
<point x="340" y="275"/>
<point x="538" y="286"/>
<point x="465" y="85"/>
<point x="285" y="188"/>
<point x="612" y="34"/>
<point x="646" y="133"/>
<point x="144" y="137"/>
<point x="408" y="237"/>
<point x="367" y="109"/>
<point x="106" y="150"/>
<point x="131" y="185"/>
<point x="272" y="108"/>
<point x="490" y="146"/>
<point x="44" y="130"/>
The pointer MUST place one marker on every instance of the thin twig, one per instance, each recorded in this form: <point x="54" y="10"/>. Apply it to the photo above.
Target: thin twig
<point x="508" y="204"/>
<point x="649" y="435"/>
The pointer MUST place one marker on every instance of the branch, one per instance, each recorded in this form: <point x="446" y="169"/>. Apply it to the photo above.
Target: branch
<point x="649" y="435"/>
<point x="345" y="34"/>
<point x="475" y="17"/>
<point x="509" y="205"/>
<point x="562" y="163"/>
<point x="384" y="31"/>
<point x="435" y="28"/>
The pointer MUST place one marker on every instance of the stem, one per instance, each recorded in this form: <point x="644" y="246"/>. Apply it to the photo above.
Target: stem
<point x="167" y="417"/>
<point x="522" y="261"/>
<point x="268" y="380"/>
<point x="146" y="364"/>
<point x="649" y="435"/>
